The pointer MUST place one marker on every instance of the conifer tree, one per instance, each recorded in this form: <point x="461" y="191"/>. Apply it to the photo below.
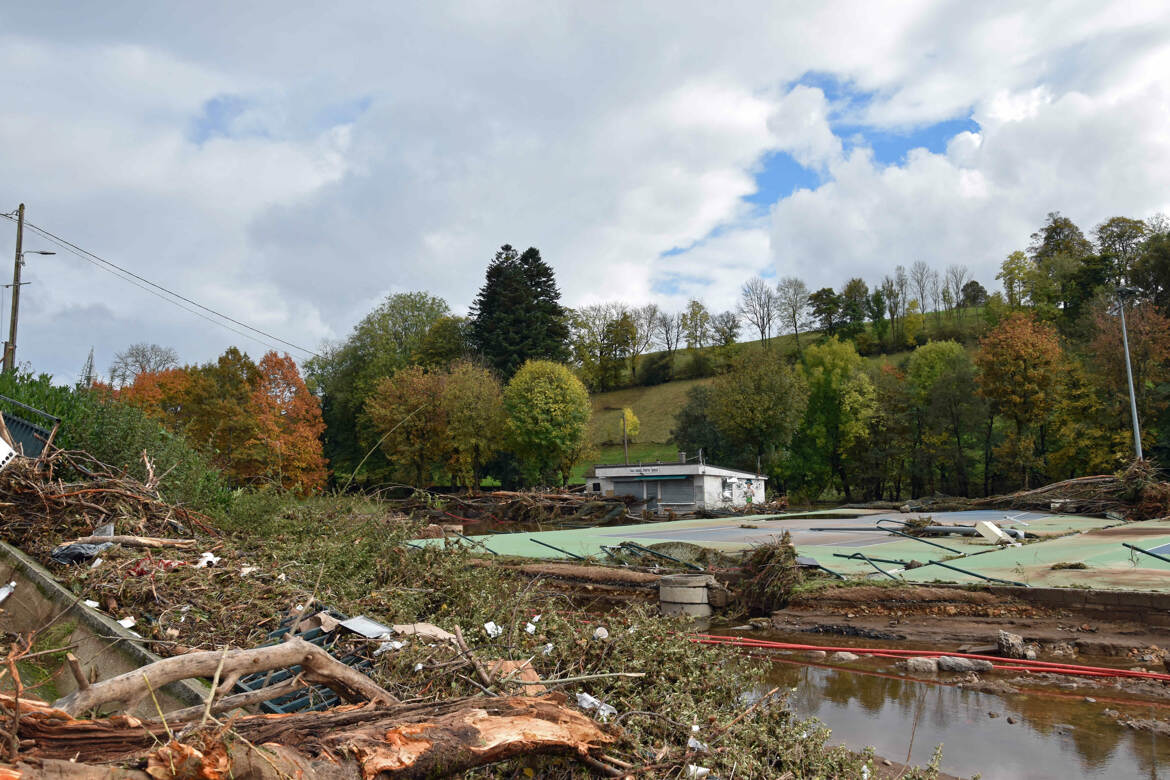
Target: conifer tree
<point x="517" y="315"/>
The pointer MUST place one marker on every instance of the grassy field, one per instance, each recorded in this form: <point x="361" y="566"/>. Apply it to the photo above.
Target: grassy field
<point x="656" y="406"/>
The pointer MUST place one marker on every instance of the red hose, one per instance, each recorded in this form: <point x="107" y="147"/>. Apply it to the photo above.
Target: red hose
<point x="886" y="652"/>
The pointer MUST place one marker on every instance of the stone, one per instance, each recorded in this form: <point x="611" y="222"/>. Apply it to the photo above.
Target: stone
<point x="921" y="665"/>
<point x="1011" y="645"/>
<point x="1010" y="719"/>
<point x="993" y="714"/>
<point x="843" y="657"/>
<point x="817" y="655"/>
<point x="948" y="663"/>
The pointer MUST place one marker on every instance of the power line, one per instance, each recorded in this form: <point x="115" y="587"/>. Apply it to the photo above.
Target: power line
<point x="145" y="284"/>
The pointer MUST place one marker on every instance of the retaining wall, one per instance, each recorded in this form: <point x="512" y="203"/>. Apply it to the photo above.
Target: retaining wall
<point x="104" y="648"/>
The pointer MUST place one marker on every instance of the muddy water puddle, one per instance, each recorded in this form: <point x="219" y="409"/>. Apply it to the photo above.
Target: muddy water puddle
<point x="1051" y="735"/>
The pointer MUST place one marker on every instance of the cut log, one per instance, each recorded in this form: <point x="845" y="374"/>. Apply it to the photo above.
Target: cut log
<point x="317" y="665"/>
<point x="137" y="541"/>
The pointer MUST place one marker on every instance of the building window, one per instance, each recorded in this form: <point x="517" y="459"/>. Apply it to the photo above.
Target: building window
<point x="596" y="487"/>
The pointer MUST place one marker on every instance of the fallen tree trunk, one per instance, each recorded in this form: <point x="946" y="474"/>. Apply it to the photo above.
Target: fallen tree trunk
<point x="137" y="541"/>
<point x="410" y="741"/>
<point x="316" y="664"/>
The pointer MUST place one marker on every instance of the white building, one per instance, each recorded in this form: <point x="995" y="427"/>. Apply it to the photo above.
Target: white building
<point x="681" y="487"/>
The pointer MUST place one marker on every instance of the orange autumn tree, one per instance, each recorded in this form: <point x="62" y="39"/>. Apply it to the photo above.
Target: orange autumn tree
<point x="286" y="447"/>
<point x="162" y="395"/>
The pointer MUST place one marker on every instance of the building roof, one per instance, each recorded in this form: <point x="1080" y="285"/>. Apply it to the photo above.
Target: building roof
<point x="671" y="469"/>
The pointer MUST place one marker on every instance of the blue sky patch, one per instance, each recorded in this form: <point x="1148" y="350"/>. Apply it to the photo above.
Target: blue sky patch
<point x="217" y="117"/>
<point x="778" y="177"/>
<point x="890" y="146"/>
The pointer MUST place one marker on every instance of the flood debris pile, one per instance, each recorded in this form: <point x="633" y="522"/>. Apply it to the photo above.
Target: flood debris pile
<point x="1138" y="493"/>
<point x="562" y="509"/>
<point x="504" y="678"/>
<point x="770" y="575"/>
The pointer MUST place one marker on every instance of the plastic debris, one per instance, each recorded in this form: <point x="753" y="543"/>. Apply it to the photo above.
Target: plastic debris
<point x="587" y="702"/>
<point x="128" y="622"/>
<point x="418" y="667"/>
<point x="696" y="771"/>
<point x="370" y="629"/>
<point x="91" y="604"/>
<point x="695" y="744"/>
<point x="530" y="628"/>
<point x="492" y="629"/>
<point x="207" y="559"/>
<point x="424" y="631"/>
<point x="96" y="562"/>
<point x="77" y="552"/>
<point x="547" y="649"/>
<point x="6" y="591"/>
<point x="245" y="571"/>
<point x="601" y="633"/>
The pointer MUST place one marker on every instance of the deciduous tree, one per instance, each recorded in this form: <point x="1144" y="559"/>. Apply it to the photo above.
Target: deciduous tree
<point x="758" y="404"/>
<point x="141" y="358"/>
<point x="408" y="415"/>
<point x="1020" y="364"/>
<point x="840" y="404"/>
<point x="793" y="301"/>
<point x="759" y="304"/>
<point x="473" y="405"/>
<point x="286" y="447"/>
<point x="547" y="413"/>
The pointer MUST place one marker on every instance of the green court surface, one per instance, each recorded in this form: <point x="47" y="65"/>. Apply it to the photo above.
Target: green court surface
<point x="838" y="538"/>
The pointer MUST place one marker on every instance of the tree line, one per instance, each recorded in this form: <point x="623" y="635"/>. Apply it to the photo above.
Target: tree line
<point x="1036" y="393"/>
<point x="976" y="391"/>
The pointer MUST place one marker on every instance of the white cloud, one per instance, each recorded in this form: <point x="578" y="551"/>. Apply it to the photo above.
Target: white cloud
<point x="387" y="148"/>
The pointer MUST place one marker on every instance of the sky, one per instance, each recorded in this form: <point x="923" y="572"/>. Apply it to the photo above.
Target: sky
<point x="291" y="164"/>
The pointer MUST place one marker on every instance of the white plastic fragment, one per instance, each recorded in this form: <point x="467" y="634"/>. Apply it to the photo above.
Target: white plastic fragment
<point x="865" y="772"/>
<point x="695" y="744"/>
<point x="696" y="771"/>
<point x="418" y="667"/>
<point x="492" y="629"/>
<point x="530" y="628"/>
<point x="128" y="622"/>
<point x="245" y="571"/>
<point x="587" y="702"/>
<point x="536" y="618"/>
<point x="91" y="604"/>
<point x="601" y="633"/>
<point x="547" y="649"/>
<point x="207" y="559"/>
<point x="282" y="576"/>
<point x="6" y="591"/>
<point x="96" y="562"/>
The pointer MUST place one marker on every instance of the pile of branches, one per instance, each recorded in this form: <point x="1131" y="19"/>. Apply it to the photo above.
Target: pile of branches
<point x="198" y="603"/>
<point x="770" y="573"/>
<point x="374" y="735"/>
<point x="1139" y="493"/>
<point x="521" y="508"/>
<point x="67" y="494"/>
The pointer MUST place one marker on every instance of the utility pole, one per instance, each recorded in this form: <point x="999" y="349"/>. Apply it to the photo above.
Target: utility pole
<point x="1122" y="294"/>
<point x="10" y="345"/>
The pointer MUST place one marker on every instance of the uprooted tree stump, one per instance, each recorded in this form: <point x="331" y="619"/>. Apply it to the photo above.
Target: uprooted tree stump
<point x="405" y="740"/>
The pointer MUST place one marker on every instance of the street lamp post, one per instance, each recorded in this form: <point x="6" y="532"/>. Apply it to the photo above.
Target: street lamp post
<point x="1122" y="294"/>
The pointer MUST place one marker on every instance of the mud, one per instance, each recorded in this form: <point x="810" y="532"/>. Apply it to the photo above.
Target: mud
<point x="950" y="617"/>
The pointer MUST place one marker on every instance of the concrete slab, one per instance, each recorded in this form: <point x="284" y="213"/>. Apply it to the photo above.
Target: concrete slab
<point x="825" y="535"/>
